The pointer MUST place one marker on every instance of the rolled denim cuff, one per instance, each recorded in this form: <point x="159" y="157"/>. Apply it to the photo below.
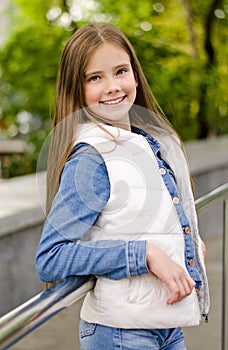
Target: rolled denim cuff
<point x="137" y="258"/>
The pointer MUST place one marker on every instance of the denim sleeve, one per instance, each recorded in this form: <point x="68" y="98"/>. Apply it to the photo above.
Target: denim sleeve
<point x="83" y="192"/>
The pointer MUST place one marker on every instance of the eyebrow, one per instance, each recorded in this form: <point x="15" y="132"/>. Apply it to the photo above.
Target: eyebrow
<point x="99" y="71"/>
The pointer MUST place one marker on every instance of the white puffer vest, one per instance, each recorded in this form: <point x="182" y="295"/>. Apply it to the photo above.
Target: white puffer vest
<point x="140" y="208"/>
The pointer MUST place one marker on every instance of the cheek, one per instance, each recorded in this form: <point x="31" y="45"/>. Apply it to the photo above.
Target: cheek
<point x="131" y="91"/>
<point x="130" y="84"/>
<point x="91" y="95"/>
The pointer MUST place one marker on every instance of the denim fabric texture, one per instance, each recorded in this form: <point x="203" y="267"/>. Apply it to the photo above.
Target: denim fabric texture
<point x="70" y="218"/>
<point x="169" y="180"/>
<point x="94" y="337"/>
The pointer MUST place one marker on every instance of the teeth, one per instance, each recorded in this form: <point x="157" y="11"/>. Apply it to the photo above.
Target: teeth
<point x="114" y="102"/>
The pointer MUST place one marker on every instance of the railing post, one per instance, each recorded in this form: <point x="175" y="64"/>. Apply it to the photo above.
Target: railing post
<point x="224" y="278"/>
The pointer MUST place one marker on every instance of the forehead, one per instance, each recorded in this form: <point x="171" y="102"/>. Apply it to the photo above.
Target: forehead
<point x="107" y="54"/>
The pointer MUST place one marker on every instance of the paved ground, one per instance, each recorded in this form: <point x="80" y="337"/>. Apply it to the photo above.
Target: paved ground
<point x="60" y="333"/>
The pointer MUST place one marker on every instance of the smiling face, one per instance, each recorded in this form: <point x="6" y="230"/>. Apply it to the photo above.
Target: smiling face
<point x="110" y="84"/>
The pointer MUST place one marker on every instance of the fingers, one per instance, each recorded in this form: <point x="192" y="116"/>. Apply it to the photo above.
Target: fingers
<point x="203" y="248"/>
<point x="180" y="288"/>
<point x="178" y="281"/>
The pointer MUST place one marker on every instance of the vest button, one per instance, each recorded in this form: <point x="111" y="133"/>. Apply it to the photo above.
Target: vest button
<point x="162" y="171"/>
<point x="175" y="200"/>
<point x="191" y="262"/>
<point x="187" y="230"/>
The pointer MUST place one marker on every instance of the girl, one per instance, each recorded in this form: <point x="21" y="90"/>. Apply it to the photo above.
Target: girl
<point x="119" y="201"/>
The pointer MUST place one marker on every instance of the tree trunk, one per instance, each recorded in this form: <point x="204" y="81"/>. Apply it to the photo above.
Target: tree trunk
<point x="204" y="126"/>
<point x="189" y="18"/>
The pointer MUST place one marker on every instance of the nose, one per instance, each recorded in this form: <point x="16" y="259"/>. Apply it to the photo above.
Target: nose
<point x="111" y="85"/>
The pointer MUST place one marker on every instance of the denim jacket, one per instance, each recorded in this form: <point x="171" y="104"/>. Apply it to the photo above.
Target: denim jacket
<point x="62" y="251"/>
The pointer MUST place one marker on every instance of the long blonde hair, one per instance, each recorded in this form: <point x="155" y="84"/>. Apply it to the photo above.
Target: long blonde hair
<point x="70" y="98"/>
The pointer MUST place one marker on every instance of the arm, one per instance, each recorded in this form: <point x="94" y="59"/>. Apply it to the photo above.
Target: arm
<point x="84" y="191"/>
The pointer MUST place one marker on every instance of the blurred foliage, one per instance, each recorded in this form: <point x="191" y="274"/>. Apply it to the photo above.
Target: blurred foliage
<point x="170" y="39"/>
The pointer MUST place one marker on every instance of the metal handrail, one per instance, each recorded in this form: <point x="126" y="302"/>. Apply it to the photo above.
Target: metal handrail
<point x="27" y="317"/>
<point x="203" y="202"/>
<point x="21" y="321"/>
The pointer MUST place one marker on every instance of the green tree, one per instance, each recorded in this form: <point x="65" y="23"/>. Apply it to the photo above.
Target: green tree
<point x="28" y="67"/>
<point x="182" y="49"/>
<point x="181" y="46"/>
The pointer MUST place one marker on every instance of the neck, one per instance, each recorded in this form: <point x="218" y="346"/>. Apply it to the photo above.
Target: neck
<point x="123" y="126"/>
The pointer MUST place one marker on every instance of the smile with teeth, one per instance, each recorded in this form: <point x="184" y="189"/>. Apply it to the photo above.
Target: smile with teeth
<point x="114" y="101"/>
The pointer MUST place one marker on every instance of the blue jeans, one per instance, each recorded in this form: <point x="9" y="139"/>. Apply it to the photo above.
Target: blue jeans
<point x="97" y="337"/>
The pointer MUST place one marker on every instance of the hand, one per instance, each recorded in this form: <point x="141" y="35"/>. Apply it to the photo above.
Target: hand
<point x="203" y="248"/>
<point x="173" y="275"/>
